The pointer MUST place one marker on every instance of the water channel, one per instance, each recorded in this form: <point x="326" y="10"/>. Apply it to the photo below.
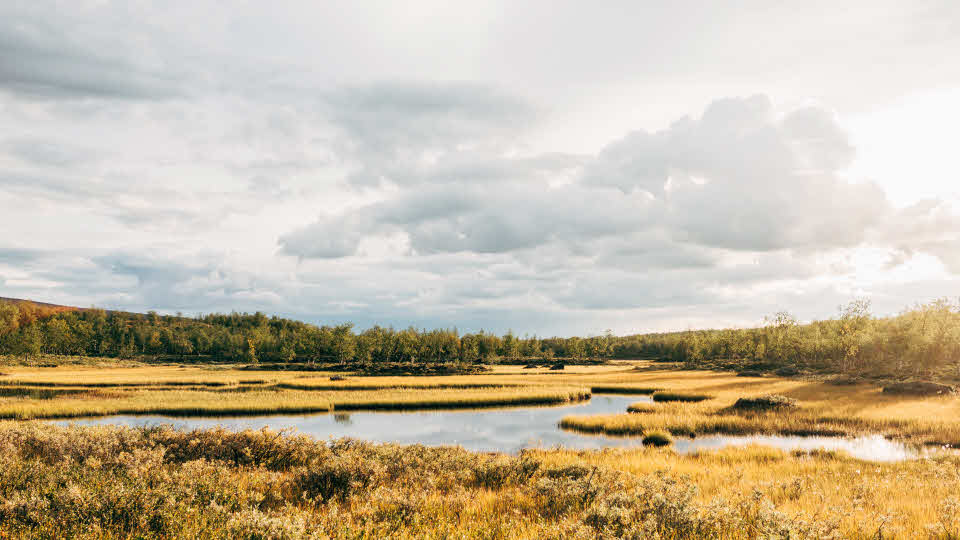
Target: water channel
<point x="509" y="429"/>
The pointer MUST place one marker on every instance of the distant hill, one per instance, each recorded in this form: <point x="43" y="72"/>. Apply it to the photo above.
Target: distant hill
<point x="54" y="307"/>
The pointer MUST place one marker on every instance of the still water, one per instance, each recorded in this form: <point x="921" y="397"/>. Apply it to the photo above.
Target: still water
<point x="507" y="430"/>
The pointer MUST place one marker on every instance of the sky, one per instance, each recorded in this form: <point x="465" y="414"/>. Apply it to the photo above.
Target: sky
<point x="551" y="167"/>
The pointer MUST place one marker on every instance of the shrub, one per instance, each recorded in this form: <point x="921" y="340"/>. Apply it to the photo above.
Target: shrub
<point x="500" y="471"/>
<point x="679" y="396"/>
<point x="338" y="478"/>
<point x="765" y="403"/>
<point x="919" y="388"/>
<point x="657" y="438"/>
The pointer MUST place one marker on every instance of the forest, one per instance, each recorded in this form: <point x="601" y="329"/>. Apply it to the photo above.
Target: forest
<point x="921" y="341"/>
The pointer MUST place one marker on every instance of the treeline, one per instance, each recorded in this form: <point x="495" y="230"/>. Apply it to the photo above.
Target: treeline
<point x="921" y="341"/>
<point x="29" y="330"/>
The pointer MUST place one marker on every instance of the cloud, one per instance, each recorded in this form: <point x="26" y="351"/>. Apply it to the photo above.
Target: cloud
<point x="334" y="163"/>
<point x="54" y="55"/>
<point x="741" y="177"/>
<point x="744" y="177"/>
<point x="18" y="256"/>
<point x="390" y="128"/>
<point x="928" y="226"/>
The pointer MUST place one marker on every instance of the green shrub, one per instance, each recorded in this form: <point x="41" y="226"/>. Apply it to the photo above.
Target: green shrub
<point x="657" y="438"/>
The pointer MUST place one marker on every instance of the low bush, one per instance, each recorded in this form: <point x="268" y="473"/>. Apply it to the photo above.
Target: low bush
<point x="657" y="438"/>
<point x="765" y="403"/>
<point x="109" y="482"/>
<point x="918" y="388"/>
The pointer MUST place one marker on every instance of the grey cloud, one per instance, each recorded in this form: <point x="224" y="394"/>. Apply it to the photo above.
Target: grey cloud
<point x="66" y="55"/>
<point x="21" y="256"/>
<point x="50" y="153"/>
<point x="390" y="128"/>
<point x="462" y="218"/>
<point x="391" y="116"/>
<point x="741" y="177"/>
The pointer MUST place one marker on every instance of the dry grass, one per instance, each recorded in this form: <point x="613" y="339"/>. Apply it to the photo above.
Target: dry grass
<point x="747" y="492"/>
<point x="823" y="408"/>
<point x="909" y="499"/>
<point x="259" y="402"/>
<point x="107" y="482"/>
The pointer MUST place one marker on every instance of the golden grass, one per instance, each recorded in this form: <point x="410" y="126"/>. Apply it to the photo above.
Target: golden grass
<point x="864" y="499"/>
<point x="823" y="408"/>
<point x="901" y="499"/>
<point x="259" y="402"/>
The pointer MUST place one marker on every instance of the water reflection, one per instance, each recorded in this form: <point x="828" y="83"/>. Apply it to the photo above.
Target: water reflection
<point x="508" y="430"/>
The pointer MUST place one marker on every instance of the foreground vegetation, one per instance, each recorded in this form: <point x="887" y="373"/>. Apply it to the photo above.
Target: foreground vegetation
<point x="162" y="483"/>
<point x="921" y="342"/>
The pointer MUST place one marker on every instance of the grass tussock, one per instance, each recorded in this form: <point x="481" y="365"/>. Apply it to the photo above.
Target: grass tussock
<point x="680" y="396"/>
<point x="765" y="403"/>
<point x="657" y="438"/>
<point x="623" y="389"/>
<point x="642" y="408"/>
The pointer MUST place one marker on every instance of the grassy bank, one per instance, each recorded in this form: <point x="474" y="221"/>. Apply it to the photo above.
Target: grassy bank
<point x="261" y="402"/>
<point x="158" y="482"/>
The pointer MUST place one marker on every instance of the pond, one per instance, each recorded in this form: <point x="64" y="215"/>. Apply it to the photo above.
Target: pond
<point x="506" y="430"/>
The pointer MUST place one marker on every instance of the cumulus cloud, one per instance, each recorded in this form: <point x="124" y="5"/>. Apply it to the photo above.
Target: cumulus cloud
<point x="741" y="177"/>
<point x="744" y="177"/>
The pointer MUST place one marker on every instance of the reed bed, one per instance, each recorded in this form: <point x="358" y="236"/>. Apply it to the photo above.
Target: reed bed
<point x="624" y="389"/>
<point x="261" y="402"/>
<point x="691" y="420"/>
<point x="680" y="396"/>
